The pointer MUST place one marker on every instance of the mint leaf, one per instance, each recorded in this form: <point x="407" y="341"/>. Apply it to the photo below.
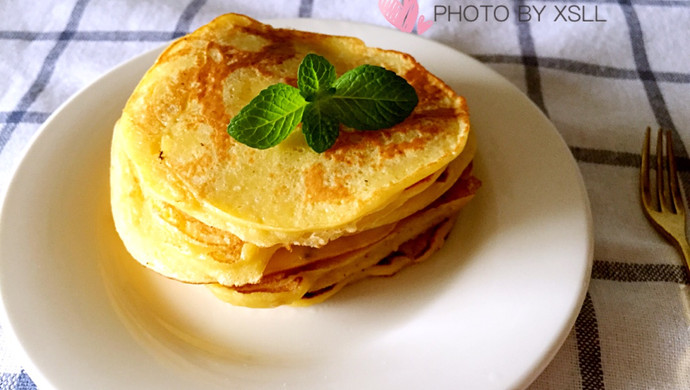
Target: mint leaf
<point x="370" y="98"/>
<point x="365" y="98"/>
<point x="315" y="75"/>
<point x="269" y="118"/>
<point x="319" y="129"/>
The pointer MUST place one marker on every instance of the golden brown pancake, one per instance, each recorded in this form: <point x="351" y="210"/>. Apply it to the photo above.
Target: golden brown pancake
<point x="285" y="225"/>
<point x="173" y="129"/>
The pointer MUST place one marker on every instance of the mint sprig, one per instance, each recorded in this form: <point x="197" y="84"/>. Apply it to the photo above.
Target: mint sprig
<point x="364" y="98"/>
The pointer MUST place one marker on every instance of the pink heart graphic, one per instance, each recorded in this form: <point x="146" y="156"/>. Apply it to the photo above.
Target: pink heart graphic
<point x="401" y="15"/>
<point x="423" y="25"/>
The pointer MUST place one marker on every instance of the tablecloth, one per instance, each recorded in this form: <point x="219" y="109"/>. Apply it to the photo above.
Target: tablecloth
<point x="602" y="71"/>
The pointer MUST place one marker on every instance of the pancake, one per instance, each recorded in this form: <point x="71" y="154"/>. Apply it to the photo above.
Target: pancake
<point x="284" y="225"/>
<point x="173" y="129"/>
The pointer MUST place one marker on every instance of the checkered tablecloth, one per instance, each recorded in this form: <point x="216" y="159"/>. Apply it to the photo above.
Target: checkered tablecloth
<point x="600" y="70"/>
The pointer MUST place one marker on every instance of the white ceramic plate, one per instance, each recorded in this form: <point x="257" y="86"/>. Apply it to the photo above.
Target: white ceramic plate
<point x="490" y="310"/>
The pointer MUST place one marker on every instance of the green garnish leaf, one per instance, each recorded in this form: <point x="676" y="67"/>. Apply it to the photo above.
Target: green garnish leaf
<point x="365" y="98"/>
<point x="319" y="130"/>
<point x="371" y="98"/>
<point x="269" y="118"/>
<point x="315" y="75"/>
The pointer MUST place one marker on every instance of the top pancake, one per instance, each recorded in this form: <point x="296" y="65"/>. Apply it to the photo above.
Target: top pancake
<point x="173" y="129"/>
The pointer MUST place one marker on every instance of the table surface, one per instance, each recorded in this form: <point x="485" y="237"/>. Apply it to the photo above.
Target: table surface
<point x="602" y="71"/>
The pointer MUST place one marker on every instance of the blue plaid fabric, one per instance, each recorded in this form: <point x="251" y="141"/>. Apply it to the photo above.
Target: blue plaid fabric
<point x="600" y="70"/>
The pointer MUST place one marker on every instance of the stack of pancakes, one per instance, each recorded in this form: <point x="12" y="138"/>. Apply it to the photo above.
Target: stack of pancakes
<point x="285" y="225"/>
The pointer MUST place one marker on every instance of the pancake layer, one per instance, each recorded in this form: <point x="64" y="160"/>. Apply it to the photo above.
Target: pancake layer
<point x="174" y="127"/>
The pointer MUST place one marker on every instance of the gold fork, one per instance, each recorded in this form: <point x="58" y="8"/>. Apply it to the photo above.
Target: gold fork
<point x="664" y="207"/>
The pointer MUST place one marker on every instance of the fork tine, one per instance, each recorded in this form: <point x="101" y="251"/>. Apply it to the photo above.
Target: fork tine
<point x="673" y="176"/>
<point x="661" y="185"/>
<point x="645" y="191"/>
